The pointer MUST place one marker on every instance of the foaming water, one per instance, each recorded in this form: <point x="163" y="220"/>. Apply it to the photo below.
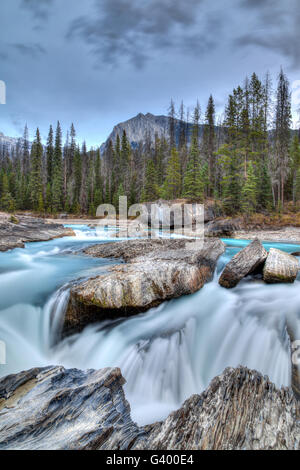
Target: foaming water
<point x="166" y="354"/>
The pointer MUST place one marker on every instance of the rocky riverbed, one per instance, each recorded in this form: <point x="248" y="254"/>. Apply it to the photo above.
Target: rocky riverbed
<point x="17" y="230"/>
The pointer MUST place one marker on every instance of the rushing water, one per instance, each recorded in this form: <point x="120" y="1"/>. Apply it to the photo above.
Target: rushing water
<point x="166" y="354"/>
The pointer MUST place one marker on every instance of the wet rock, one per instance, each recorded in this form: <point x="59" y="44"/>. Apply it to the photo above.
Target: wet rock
<point x="240" y="410"/>
<point x="161" y="274"/>
<point x="131" y="249"/>
<point x="28" y="229"/>
<point x="280" y="267"/>
<point x="60" y="409"/>
<point x="247" y="261"/>
<point x="54" y="408"/>
<point x="293" y="332"/>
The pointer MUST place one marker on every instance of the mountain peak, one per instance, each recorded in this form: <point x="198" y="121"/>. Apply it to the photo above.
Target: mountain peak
<point x="137" y="127"/>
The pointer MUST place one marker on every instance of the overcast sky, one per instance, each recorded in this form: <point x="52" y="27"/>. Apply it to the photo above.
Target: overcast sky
<point x="100" y="62"/>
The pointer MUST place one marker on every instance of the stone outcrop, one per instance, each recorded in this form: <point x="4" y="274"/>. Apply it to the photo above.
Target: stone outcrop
<point x="245" y="262"/>
<point x="15" y="231"/>
<point x="166" y="270"/>
<point x="130" y="249"/>
<point x="54" y="408"/>
<point x="293" y="332"/>
<point x="223" y="227"/>
<point x="240" y="410"/>
<point x="280" y="267"/>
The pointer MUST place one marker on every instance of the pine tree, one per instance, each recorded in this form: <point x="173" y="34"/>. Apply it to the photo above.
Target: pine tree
<point x="209" y="142"/>
<point x="7" y="203"/>
<point x="193" y="185"/>
<point x="282" y="135"/>
<point x="50" y="156"/>
<point x="84" y="180"/>
<point x="36" y="187"/>
<point x="172" y="184"/>
<point x="151" y="190"/>
<point x="249" y="192"/>
<point x="231" y="182"/>
<point x="125" y="159"/>
<point x="295" y="163"/>
<point x="172" y="129"/>
<point x="264" y="185"/>
<point x="57" y="178"/>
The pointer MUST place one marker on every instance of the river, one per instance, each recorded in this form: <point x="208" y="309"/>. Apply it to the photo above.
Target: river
<point x="166" y="354"/>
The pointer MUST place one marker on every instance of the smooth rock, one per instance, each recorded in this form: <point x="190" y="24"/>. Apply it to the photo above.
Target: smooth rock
<point x="280" y="267"/>
<point x="130" y="249"/>
<point x="54" y="408"/>
<point x="145" y="282"/>
<point x="245" y="262"/>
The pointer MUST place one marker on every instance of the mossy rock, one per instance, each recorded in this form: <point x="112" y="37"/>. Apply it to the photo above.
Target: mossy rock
<point x="14" y="220"/>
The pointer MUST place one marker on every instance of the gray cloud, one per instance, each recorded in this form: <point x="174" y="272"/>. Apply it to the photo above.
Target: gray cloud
<point x="276" y="27"/>
<point x="31" y="50"/>
<point x="138" y="29"/>
<point x="40" y="9"/>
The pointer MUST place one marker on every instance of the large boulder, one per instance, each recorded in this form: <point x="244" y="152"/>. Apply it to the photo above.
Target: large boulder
<point x="145" y="282"/>
<point x="240" y="410"/>
<point x="280" y="267"/>
<point x="130" y="249"/>
<point x="16" y="231"/>
<point x="54" y="408"/>
<point x="222" y="227"/>
<point x="162" y="211"/>
<point x="243" y="263"/>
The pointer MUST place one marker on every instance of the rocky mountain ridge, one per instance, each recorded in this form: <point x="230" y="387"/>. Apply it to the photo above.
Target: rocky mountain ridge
<point x="148" y="125"/>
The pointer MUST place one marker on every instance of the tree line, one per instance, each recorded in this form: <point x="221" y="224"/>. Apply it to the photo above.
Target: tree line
<point x="248" y="161"/>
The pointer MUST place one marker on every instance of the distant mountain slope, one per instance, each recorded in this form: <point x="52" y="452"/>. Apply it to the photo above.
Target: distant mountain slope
<point x="139" y="126"/>
<point x="8" y="142"/>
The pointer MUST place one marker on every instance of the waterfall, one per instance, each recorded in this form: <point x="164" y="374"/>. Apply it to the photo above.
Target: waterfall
<point x="174" y="351"/>
<point x="166" y="354"/>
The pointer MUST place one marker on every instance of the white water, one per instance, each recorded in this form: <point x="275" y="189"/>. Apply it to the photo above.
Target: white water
<point x="167" y="354"/>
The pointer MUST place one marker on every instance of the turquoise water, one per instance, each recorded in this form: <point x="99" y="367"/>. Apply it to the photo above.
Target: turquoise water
<point x="166" y="354"/>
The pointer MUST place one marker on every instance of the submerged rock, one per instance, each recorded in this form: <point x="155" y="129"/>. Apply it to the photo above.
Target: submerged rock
<point x="54" y="408"/>
<point x="247" y="261"/>
<point x="164" y="272"/>
<point x="280" y="267"/>
<point x="240" y="410"/>
<point x="14" y="234"/>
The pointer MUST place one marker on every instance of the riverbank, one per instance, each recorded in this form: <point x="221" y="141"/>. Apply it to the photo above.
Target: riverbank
<point x="283" y="235"/>
<point x="16" y="230"/>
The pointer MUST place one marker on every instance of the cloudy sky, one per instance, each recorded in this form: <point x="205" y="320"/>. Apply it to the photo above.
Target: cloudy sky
<point x="100" y="62"/>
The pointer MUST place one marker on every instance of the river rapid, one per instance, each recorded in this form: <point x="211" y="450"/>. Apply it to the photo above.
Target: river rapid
<point x="166" y="354"/>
